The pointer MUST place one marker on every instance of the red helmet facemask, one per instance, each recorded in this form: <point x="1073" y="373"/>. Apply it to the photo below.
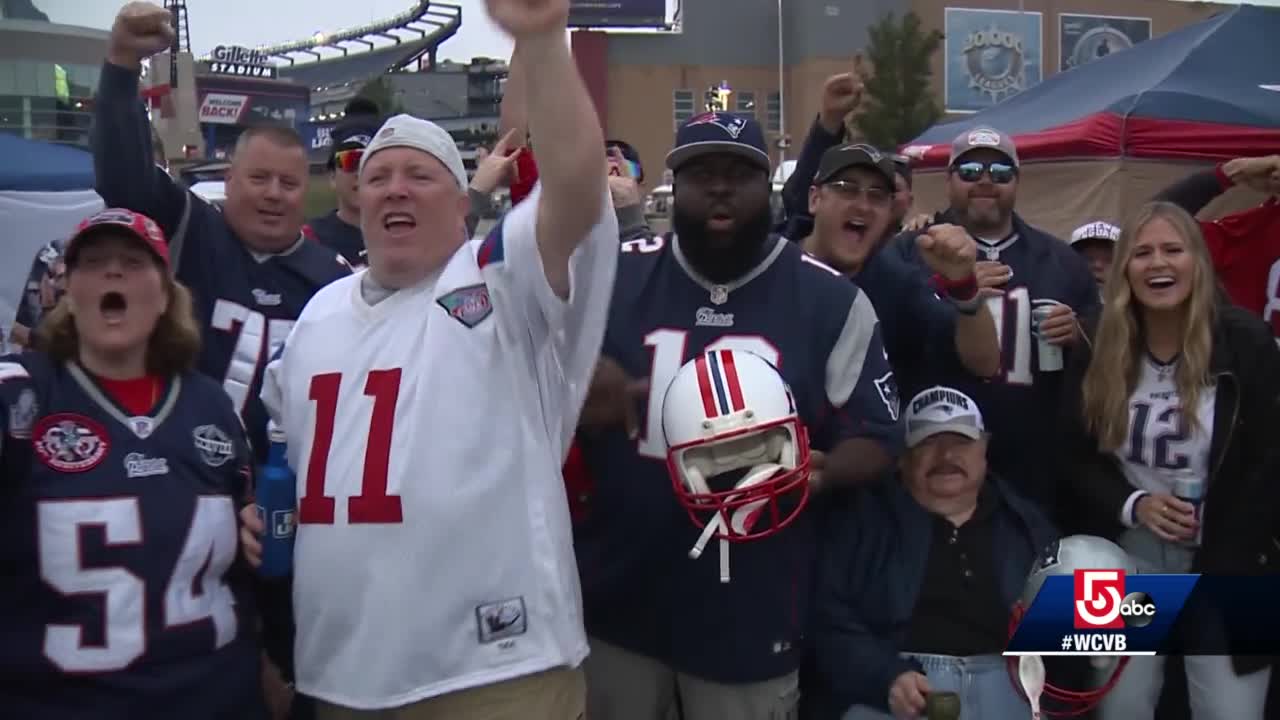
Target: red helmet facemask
<point x="1065" y="703"/>
<point x="737" y="452"/>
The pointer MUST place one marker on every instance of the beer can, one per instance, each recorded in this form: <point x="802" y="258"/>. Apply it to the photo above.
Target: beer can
<point x="1188" y="486"/>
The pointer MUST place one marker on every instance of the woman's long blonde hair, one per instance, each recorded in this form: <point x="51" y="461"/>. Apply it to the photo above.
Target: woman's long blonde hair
<point x="1119" y="346"/>
<point x="172" y="349"/>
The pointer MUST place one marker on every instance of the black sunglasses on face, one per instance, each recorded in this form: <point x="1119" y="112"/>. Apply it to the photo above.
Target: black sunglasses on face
<point x="1002" y="173"/>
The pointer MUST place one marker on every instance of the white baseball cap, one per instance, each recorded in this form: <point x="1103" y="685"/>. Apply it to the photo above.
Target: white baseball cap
<point x="1095" y="231"/>
<point x="409" y="131"/>
<point x="942" y="410"/>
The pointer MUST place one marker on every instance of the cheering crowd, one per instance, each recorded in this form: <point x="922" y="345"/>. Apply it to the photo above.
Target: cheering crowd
<point x="575" y="469"/>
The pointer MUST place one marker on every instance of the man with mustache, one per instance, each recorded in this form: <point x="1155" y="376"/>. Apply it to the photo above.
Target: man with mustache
<point x="915" y="587"/>
<point x="721" y="280"/>
<point x="1040" y="286"/>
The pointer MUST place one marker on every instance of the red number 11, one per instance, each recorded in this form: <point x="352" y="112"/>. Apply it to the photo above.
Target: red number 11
<point x="373" y="504"/>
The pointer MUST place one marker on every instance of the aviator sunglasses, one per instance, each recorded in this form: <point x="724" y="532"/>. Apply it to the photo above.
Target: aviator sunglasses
<point x="1002" y="173"/>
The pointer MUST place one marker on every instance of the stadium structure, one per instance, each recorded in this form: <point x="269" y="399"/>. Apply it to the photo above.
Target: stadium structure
<point x="336" y="66"/>
<point x="307" y="82"/>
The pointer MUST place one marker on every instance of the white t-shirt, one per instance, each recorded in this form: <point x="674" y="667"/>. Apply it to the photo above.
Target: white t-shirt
<point x="1161" y="444"/>
<point x="461" y="395"/>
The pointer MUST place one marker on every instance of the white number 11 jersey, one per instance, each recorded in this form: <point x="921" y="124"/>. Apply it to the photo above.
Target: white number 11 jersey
<point x="427" y="431"/>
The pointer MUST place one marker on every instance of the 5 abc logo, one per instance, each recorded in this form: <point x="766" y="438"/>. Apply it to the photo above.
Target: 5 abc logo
<point x="1101" y="602"/>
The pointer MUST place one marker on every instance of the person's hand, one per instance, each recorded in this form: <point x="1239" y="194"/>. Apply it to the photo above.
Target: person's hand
<point x="141" y="29"/>
<point x="523" y="18"/>
<point x="1257" y="173"/>
<point x="817" y="461"/>
<point x="250" y="530"/>
<point x="907" y="695"/>
<point x="624" y="191"/>
<point x="840" y="95"/>
<point x="277" y="692"/>
<point x="498" y="167"/>
<point x="948" y="250"/>
<point x="1059" y="327"/>
<point x="1169" y="518"/>
<point x="917" y="223"/>
<point x="612" y="398"/>
<point x="991" y="276"/>
<point x="623" y="187"/>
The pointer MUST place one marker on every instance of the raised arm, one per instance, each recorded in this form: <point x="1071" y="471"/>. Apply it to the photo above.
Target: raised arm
<point x="563" y="121"/>
<point x="125" y="171"/>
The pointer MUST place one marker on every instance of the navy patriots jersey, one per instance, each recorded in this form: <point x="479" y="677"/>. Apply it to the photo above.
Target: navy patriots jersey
<point x="641" y="590"/>
<point x="123" y="596"/>
<point x="1022" y="400"/>
<point x="246" y="303"/>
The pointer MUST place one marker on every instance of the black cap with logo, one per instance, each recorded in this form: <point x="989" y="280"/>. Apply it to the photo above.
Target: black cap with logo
<point x="838" y="159"/>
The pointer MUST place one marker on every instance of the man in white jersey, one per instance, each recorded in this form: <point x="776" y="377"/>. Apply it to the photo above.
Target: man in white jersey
<point x="429" y="402"/>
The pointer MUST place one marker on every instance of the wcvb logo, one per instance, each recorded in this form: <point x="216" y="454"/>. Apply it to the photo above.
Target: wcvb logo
<point x="1101" y="603"/>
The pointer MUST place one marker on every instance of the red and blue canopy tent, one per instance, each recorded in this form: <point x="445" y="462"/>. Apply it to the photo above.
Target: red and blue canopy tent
<point x="1099" y="138"/>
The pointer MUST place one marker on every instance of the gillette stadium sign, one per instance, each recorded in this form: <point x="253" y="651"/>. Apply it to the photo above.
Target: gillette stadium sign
<point x="240" y="62"/>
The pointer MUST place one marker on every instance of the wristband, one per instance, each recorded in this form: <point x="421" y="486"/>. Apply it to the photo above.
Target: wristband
<point x="957" y="290"/>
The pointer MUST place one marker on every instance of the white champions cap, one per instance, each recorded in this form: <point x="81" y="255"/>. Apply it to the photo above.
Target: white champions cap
<point x="942" y="410"/>
<point x="1098" y="230"/>
<point x="411" y="132"/>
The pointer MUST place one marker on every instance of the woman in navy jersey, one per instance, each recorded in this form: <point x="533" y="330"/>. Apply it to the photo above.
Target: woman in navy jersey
<point x="1169" y="441"/>
<point x="121" y="473"/>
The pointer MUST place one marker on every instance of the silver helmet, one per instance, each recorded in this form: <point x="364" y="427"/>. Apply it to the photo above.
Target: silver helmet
<point x="1075" y="552"/>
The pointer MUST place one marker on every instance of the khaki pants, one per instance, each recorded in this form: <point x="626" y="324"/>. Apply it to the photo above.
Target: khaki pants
<point x="623" y="685"/>
<point x="558" y="694"/>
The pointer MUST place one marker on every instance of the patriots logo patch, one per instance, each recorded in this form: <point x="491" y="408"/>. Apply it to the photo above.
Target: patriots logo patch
<point x="468" y="305"/>
<point x="887" y="386"/>
<point x="730" y="124"/>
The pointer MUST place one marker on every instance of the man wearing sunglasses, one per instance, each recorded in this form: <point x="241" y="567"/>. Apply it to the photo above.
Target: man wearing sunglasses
<point x="340" y="230"/>
<point x="1035" y="284"/>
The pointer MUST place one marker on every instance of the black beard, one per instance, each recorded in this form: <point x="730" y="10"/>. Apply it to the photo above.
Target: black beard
<point x="718" y="259"/>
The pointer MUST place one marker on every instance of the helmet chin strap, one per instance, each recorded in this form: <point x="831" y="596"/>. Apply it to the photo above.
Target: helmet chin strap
<point x="717" y="527"/>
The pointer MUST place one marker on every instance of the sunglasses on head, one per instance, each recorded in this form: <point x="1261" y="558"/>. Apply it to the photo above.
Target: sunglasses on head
<point x="348" y="160"/>
<point x="1002" y="173"/>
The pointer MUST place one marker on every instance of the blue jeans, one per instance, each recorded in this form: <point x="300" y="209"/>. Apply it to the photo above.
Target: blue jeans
<point x="982" y="681"/>
<point x="1216" y="692"/>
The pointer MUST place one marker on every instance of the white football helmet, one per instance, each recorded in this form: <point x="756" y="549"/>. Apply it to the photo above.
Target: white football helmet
<point x="1064" y="557"/>
<point x="736" y="449"/>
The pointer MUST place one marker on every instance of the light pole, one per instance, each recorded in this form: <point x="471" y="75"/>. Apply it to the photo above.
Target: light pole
<point x="782" y="96"/>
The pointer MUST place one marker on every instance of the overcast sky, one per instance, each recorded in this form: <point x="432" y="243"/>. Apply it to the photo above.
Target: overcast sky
<point x="258" y="22"/>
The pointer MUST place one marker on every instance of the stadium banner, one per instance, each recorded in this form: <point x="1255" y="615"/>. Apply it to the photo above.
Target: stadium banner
<point x="990" y="55"/>
<point x="222" y="108"/>
<point x="1108" y="612"/>
<point x="1082" y="38"/>
<point x="617" y="13"/>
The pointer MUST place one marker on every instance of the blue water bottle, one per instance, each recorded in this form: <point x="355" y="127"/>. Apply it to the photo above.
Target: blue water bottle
<point x="277" y="507"/>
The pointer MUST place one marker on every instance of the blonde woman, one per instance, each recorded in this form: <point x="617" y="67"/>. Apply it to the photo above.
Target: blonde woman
<point x="1175" y="398"/>
<point x="121" y="473"/>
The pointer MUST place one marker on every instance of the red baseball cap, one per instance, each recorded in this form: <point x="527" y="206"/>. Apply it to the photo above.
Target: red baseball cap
<point x="131" y="223"/>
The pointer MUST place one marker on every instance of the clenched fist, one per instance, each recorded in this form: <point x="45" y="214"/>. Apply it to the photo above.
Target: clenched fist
<point x="521" y="18"/>
<point x="141" y="30"/>
<point x="840" y="95"/>
<point x="948" y="250"/>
